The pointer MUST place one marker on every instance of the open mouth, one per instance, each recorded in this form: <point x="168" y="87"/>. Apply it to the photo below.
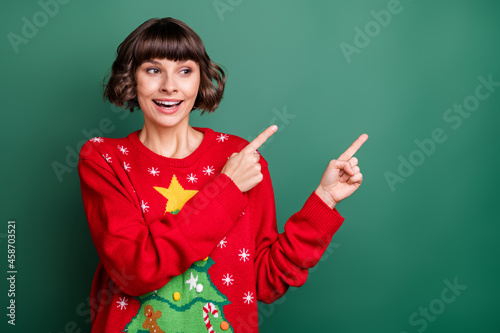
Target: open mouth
<point x="167" y="105"/>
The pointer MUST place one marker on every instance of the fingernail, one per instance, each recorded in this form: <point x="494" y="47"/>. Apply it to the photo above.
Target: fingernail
<point x="274" y="127"/>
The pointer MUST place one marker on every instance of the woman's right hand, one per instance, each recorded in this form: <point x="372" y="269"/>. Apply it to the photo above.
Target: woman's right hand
<point x="243" y="167"/>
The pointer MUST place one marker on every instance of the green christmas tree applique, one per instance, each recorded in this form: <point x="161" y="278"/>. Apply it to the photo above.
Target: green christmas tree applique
<point x="188" y="303"/>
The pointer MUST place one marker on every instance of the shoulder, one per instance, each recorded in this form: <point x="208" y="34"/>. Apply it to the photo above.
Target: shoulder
<point x="101" y="149"/>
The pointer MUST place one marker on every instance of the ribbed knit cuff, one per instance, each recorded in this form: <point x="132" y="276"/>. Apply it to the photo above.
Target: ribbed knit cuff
<point x="324" y="219"/>
<point x="228" y="195"/>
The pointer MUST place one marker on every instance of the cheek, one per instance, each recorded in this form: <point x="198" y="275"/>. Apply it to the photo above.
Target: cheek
<point x="193" y="87"/>
<point x="146" y="87"/>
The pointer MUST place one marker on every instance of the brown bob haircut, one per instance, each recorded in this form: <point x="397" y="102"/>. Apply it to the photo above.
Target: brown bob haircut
<point x="165" y="38"/>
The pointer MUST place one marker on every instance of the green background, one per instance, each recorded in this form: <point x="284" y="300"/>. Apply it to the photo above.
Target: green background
<point x="397" y="245"/>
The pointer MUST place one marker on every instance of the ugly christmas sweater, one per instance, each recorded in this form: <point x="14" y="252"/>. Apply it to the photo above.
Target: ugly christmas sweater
<point x="181" y="248"/>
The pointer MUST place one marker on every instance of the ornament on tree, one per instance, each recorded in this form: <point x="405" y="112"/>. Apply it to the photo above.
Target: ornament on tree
<point x="150" y="321"/>
<point x="224" y="326"/>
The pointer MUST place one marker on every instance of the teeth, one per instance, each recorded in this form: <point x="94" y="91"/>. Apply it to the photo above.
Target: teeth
<point x="167" y="103"/>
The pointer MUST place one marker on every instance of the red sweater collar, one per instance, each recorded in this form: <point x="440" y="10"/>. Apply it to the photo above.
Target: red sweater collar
<point x="187" y="161"/>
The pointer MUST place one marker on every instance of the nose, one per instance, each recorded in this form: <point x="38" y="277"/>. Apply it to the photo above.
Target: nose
<point x="169" y="85"/>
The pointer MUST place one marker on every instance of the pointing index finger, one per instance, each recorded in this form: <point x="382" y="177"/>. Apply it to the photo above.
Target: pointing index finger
<point x="354" y="147"/>
<point x="260" y="139"/>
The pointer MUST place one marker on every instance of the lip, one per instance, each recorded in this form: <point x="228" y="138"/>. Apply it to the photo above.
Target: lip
<point x="165" y="111"/>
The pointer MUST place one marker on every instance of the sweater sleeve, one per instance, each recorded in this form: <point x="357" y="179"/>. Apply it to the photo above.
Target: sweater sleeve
<point x="283" y="260"/>
<point x="155" y="252"/>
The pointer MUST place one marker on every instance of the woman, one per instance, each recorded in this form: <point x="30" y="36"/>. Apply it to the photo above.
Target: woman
<point x="183" y="218"/>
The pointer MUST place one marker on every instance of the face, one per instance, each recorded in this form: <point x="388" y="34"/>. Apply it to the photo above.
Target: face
<point x="166" y="90"/>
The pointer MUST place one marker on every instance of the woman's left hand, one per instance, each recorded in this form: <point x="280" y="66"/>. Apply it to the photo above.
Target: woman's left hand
<point x="342" y="176"/>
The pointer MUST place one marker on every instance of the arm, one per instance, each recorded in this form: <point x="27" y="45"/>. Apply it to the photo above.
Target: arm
<point x="283" y="260"/>
<point x="152" y="253"/>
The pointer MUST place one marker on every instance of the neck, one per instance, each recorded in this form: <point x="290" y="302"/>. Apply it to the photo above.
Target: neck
<point x="174" y="142"/>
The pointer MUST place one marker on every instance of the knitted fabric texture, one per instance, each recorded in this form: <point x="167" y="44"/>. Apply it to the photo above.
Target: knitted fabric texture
<point x="181" y="248"/>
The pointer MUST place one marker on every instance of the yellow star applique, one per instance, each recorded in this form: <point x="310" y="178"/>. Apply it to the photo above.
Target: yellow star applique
<point x="176" y="195"/>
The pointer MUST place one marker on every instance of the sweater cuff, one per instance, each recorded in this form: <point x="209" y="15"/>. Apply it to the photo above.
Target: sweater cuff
<point x="324" y="219"/>
<point x="228" y="195"/>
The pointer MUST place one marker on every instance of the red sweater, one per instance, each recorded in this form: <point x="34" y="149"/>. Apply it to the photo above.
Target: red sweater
<point x="181" y="248"/>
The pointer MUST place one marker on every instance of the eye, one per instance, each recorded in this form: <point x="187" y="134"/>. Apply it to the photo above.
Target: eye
<point x="186" y="70"/>
<point x="153" y="70"/>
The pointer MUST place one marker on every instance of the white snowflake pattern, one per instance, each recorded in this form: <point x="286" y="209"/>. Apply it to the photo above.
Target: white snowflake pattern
<point x="244" y="255"/>
<point x="122" y="304"/>
<point x="192" y="281"/>
<point x="222" y="137"/>
<point x="97" y="139"/>
<point x="208" y="170"/>
<point x="153" y="171"/>
<point x="222" y="243"/>
<point x="248" y="297"/>
<point x="126" y="166"/>
<point x="192" y="178"/>
<point x="123" y="150"/>
<point x="144" y="206"/>
<point x="107" y="158"/>
<point x="228" y="279"/>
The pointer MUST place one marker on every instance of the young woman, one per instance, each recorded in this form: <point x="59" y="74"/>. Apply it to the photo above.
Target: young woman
<point x="183" y="218"/>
